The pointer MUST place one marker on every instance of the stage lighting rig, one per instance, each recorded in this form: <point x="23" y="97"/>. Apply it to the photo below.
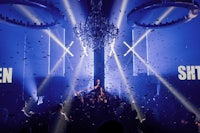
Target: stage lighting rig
<point x="30" y="13"/>
<point x="148" y="15"/>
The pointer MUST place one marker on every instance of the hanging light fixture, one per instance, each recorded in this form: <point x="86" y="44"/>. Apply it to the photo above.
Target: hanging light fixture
<point x="96" y="32"/>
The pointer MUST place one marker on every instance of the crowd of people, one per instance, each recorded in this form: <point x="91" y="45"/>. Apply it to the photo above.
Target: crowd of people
<point x="95" y="112"/>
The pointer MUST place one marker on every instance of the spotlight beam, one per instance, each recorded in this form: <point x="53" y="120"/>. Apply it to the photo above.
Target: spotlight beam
<point x="119" y="21"/>
<point x="127" y="45"/>
<point x="164" y="15"/>
<point x="41" y="86"/>
<point x="30" y="15"/>
<point x="73" y="83"/>
<point x="67" y="104"/>
<point x="178" y="95"/>
<point x="52" y="71"/>
<point x="58" y="42"/>
<point x="73" y="21"/>
<point x="31" y="102"/>
<point x="137" y="42"/>
<point x="127" y="87"/>
<point x="69" y="10"/>
<point x="58" y="124"/>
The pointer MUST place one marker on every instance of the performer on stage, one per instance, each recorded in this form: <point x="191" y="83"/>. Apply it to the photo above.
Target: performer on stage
<point x="98" y="89"/>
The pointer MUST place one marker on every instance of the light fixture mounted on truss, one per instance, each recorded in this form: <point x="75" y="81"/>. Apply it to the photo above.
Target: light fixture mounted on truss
<point x="30" y="13"/>
<point x="148" y="15"/>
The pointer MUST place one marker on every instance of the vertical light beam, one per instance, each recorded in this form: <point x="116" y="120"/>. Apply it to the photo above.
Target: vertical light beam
<point x="73" y="21"/>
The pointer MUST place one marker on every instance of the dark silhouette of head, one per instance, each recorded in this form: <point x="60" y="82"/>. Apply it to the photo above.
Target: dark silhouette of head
<point x="111" y="126"/>
<point x="59" y="107"/>
<point x="191" y="117"/>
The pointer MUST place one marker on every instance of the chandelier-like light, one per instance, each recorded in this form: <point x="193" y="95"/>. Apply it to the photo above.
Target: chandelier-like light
<point x="96" y="32"/>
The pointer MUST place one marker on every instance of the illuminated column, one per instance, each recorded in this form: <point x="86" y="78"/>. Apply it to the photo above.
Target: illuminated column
<point x="24" y="67"/>
<point x="158" y="88"/>
<point x="63" y="58"/>
<point x="147" y="51"/>
<point x="134" y="60"/>
<point x="99" y="65"/>
<point x="49" y="53"/>
<point x="143" y="51"/>
<point x="57" y="50"/>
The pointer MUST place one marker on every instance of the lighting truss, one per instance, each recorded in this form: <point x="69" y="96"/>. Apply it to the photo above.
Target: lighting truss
<point x="42" y="13"/>
<point x="188" y="9"/>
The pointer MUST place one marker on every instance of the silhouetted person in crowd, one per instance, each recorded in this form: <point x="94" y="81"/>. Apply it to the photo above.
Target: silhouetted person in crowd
<point x="3" y="119"/>
<point x="189" y="125"/>
<point x="150" y="124"/>
<point x="23" y="119"/>
<point x="131" y="123"/>
<point x="111" y="126"/>
<point x="58" y="120"/>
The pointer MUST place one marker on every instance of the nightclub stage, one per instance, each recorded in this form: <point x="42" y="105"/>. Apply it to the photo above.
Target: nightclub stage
<point x="144" y="52"/>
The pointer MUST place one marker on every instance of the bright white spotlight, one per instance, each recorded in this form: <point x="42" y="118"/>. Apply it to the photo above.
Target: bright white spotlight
<point x="30" y="87"/>
<point x="119" y="21"/>
<point x="58" y="42"/>
<point x="127" y="46"/>
<point x="72" y="42"/>
<point x="73" y="21"/>
<point x="137" y="42"/>
<point x="127" y="87"/>
<point x="51" y="73"/>
<point x="29" y="14"/>
<point x="122" y="11"/>
<point x="69" y="10"/>
<point x="72" y="91"/>
<point x="41" y="86"/>
<point x="164" y="15"/>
